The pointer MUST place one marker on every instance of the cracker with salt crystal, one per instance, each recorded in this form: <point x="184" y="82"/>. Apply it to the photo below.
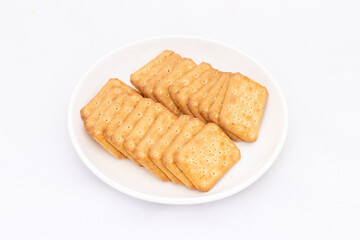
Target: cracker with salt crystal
<point x="183" y="95"/>
<point x="128" y="124"/>
<point x="190" y="129"/>
<point x="141" y="152"/>
<point x="195" y="100"/>
<point x="157" y="151"/>
<point x="243" y="107"/>
<point x="142" y="76"/>
<point x="206" y="103"/>
<point x="161" y="89"/>
<point x="171" y="62"/>
<point x="125" y="109"/>
<point x="188" y="78"/>
<point x="97" y="130"/>
<point x="141" y="128"/>
<point x="207" y="157"/>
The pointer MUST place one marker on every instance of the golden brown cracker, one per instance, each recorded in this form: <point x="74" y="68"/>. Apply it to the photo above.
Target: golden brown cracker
<point x="195" y="100"/>
<point x="92" y="105"/>
<point x="124" y="86"/>
<point x="104" y="104"/>
<point x="161" y="89"/>
<point x="216" y="107"/>
<point x="183" y="95"/>
<point x="190" y="129"/>
<point x="207" y="157"/>
<point x="157" y="151"/>
<point x="171" y="62"/>
<point x="141" y="152"/>
<point x="144" y="74"/>
<point x="97" y="130"/>
<point x="128" y="124"/>
<point x="141" y="128"/>
<point x="125" y="109"/>
<point x="243" y="107"/>
<point x="233" y="136"/>
<point x="187" y="79"/>
<point x="206" y="103"/>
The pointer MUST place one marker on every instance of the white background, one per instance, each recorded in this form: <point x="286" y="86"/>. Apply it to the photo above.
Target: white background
<point x="311" y="47"/>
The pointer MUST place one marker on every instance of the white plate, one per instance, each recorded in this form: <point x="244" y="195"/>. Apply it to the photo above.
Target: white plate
<point x="136" y="181"/>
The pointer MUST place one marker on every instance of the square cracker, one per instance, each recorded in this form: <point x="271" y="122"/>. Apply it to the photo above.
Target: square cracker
<point x="207" y="102"/>
<point x="171" y="62"/>
<point x="157" y="151"/>
<point x="216" y="107"/>
<point x="144" y="74"/>
<point x="190" y="129"/>
<point x="141" y="152"/>
<point x="207" y="157"/>
<point x="125" y="109"/>
<point x="103" y="105"/>
<point x="124" y="86"/>
<point x="97" y="130"/>
<point x="161" y="89"/>
<point x="141" y="128"/>
<point x="243" y="107"/>
<point x="183" y="95"/>
<point x="187" y="79"/>
<point x="128" y="124"/>
<point x="92" y="105"/>
<point x="195" y="100"/>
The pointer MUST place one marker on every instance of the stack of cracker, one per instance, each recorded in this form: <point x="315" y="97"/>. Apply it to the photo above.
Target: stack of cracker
<point x="231" y="100"/>
<point x="181" y="149"/>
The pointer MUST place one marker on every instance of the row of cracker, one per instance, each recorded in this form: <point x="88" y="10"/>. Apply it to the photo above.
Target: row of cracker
<point x="174" y="148"/>
<point x="231" y="100"/>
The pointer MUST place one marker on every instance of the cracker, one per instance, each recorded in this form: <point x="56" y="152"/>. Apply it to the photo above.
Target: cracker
<point x="187" y="79"/>
<point x="195" y="100"/>
<point x="161" y="89"/>
<point x="141" y="128"/>
<point x="141" y="76"/>
<point x="141" y="152"/>
<point x="206" y="103"/>
<point x="216" y="107"/>
<point x="128" y="124"/>
<point x="97" y="130"/>
<point x="157" y="151"/>
<point x="207" y="157"/>
<point x="104" y="104"/>
<point x="92" y="105"/>
<point x="124" y="86"/>
<point x="243" y="107"/>
<point x="233" y="136"/>
<point x="190" y="129"/>
<point x="125" y="109"/>
<point x="171" y="62"/>
<point x="183" y="95"/>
